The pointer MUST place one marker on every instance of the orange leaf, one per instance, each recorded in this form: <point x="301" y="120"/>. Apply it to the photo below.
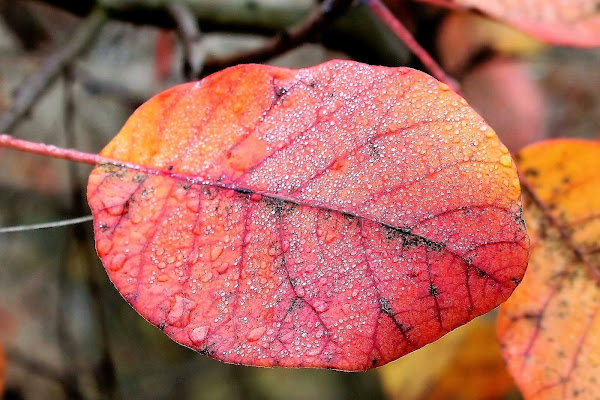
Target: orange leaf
<point x="338" y="216"/>
<point x="2" y="372"/>
<point x="550" y="327"/>
<point x="466" y="364"/>
<point x="568" y="23"/>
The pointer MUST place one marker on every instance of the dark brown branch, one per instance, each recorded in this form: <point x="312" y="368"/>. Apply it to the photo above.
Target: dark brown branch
<point x="102" y="87"/>
<point x="22" y="23"/>
<point x="105" y="371"/>
<point x="42" y="369"/>
<point x="403" y="33"/>
<point x="30" y="91"/>
<point x="257" y="16"/>
<point x="191" y="40"/>
<point x="316" y="22"/>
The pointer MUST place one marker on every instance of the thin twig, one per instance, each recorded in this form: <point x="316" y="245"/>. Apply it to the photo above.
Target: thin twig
<point x="37" y="367"/>
<point x="45" y="225"/>
<point x="443" y="3"/>
<point x="105" y="372"/>
<point x="34" y="86"/>
<point x="190" y="35"/>
<point x="316" y="22"/>
<point x="98" y="86"/>
<point x="403" y="33"/>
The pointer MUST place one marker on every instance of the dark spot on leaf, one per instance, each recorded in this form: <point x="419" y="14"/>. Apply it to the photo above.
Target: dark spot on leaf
<point x="532" y="172"/>
<point x="244" y="191"/>
<point x="279" y="92"/>
<point x="385" y="306"/>
<point x="433" y="290"/>
<point x="516" y="280"/>
<point x="349" y="217"/>
<point x="170" y="168"/>
<point x="480" y="272"/>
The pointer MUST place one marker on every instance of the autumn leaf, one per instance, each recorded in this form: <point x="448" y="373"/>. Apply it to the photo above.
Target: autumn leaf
<point x="568" y="23"/>
<point x="2" y="372"/>
<point x="550" y="327"/>
<point x="466" y="364"/>
<point x="338" y="216"/>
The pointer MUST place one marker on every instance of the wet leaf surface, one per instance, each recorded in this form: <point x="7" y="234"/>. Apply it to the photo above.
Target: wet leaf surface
<point x="550" y="327"/>
<point x="561" y="22"/>
<point x="338" y="216"/>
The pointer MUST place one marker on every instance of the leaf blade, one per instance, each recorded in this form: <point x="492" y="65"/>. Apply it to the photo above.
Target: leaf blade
<point x="285" y="232"/>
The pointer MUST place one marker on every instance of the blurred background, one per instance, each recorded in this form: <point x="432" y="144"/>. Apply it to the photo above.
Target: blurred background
<point x="71" y="72"/>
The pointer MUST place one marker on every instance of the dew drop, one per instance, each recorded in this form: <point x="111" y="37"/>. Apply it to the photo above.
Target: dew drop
<point x="321" y="306"/>
<point x="255" y="197"/>
<point x="330" y="237"/>
<point x="215" y="252"/>
<point x="506" y="160"/>
<point x="198" y="334"/>
<point x="256" y="333"/>
<point x="206" y="277"/>
<point x="192" y="205"/>
<point x="162" y="278"/>
<point x="103" y="246"/>
<point x="221" y="269"/>
<point x="117" y="262"/>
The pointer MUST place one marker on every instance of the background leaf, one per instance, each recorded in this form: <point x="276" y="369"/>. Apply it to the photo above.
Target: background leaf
<point x="567" y="23"/>
<point x="550" y="327"/>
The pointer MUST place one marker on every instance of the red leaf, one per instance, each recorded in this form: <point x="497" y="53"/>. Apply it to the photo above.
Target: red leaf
<point x="568" y="23"/>
<point x="338" y="216"/>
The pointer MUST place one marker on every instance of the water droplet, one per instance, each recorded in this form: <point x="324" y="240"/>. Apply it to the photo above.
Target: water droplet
<point x="321" y="306"/>
<point x="115" y="210"/>
<point x="221" y="269"/>
<point x="206" y="277"/>
<point x="230" y="193"/>
<point x="180" y="193"/>
<point x="330" y="237"/>
<point x="256" y="333"/>
<point x="215" y="252"/>
<point x="198" y="334"/>
<point x="255" y="197"/>
<point x="179" y="314"/>
<point x="103" y="246"/>
<point x="506" y="160"/>
<point x="117" y="262"/>
<point x="162" y="278"/>
<point x="192" y="205"/>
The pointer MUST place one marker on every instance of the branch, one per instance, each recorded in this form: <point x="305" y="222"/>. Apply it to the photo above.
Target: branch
<point x="25" y="26"/>
<point x="258" y="16"/>
<point x="399" y="29"/>
<point x="44" y="370"/>
<point x="31" y="90"/>
<point x="316" y="22"/>
<point x="194" y="52"/>
<point x="102" y="87"/>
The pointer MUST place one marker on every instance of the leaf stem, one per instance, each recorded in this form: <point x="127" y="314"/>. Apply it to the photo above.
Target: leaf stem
<point x="404" y="34"/>
<point x="51" y="150"/>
